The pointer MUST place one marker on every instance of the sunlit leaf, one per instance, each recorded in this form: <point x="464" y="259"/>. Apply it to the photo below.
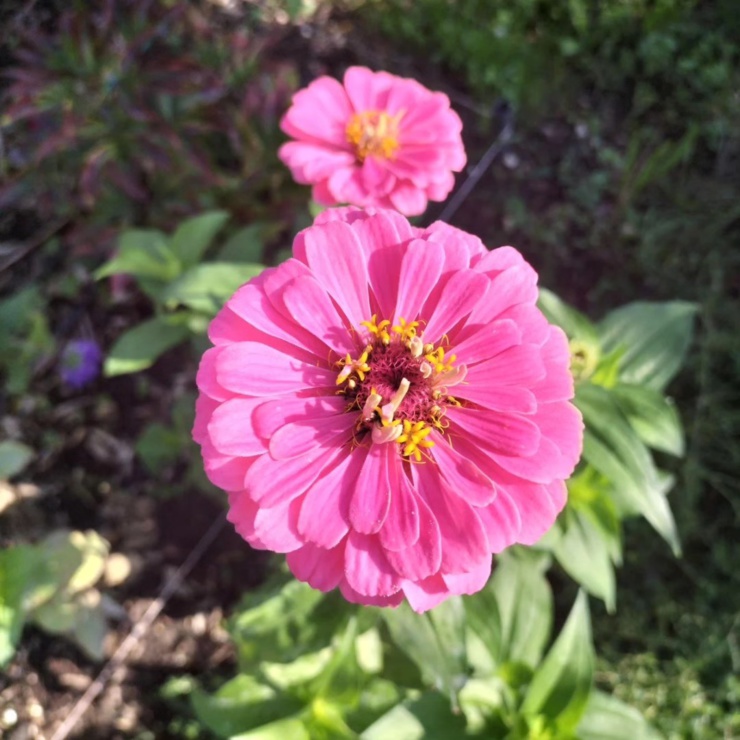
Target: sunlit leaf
<point x="139" y="347"/>
<point x="194" y="235"/>
<point x="572" y="322"/>
<point x="655" y="338"/>
<point x="248" y="244"/>
<point x="608" y="718"/>
<point x="284" y="729"/>
<point x="14" y="456"/>
<point x="561" y="685"/>
<point x="144" y="254"/>
<point x="652" y="416"/>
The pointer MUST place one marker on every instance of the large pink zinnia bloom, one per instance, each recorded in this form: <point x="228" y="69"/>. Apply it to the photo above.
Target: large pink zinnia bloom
<point x="376" y="140"/>
<point x="389" y="407"/>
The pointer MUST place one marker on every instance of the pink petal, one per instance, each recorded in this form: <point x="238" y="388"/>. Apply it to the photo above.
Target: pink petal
<point x="539" y="506"/>
<point x="227" y="327"/>
<point x="324" y="516"/>
<point x="224" y="471"/>
<point x="424" y="557"/>
<point x="426" y="594"/>
<point x="337" y="260"/>
<point x="231" y="429"/>
<point x="265" y="529"/>
<point x="271" y="482"/>
<point x="507" y="398"/>
<point x="513" y="286"/>
<point x="363" y="87"/>
<point x="464" y="542"/>
<point x="313" y="310"/>
<point x="558" y="384"/>
<point x="355" y="597"/>
<point x="310" y="163"/>
<point x="272" y="415"/>
<point x="459" y="296"/>
<point x="521" y="365"/>
<point x="464" y="478"/>
<point x="300" y="437"/>
<point x="255" y="369"/>
<point x="376" y="178"/>
<point x="366" y="567"/>
<point x="501" y="521"/>
<point x="487" y="342"/>
<point x="206" y="378"/>
<point x="401" y="527"/>
<point x="507" y="434"/>
<point x="321" y="569"/>
<point x="469" y="583"/>
<point x="408" y="199"/>
<point x="204" y="408"/>
<point x="372" y="496"/>
<point x="421" y="268"/>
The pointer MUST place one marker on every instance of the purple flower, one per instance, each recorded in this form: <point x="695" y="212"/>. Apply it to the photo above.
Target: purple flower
<point x="80" y="363"/>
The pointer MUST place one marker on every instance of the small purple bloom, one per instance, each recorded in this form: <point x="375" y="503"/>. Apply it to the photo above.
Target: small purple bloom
<point x="80" y="363"/>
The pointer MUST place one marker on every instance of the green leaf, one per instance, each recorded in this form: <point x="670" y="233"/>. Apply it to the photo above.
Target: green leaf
<point x="299" y="671"/>
<point x="14" y="456"/>
<point x="284" y="729"/>
<point x="206" y="287"/>
<point x="655" y="338"/>
<point x="139" y="347"/>
<point x="194" y="235"/>
<point x="90" y="627"/>
<point x="158" y="446"/>
<point x="561" y="686"/>
<point x="572" y="322"/>
<point x="608" y="718"/>
<point x="144" y="254"/>
<point x="483" y="618"/>
<point x="652" y="416"/>
<point x="615" y="450"/>
<point x="241" y="704"/>
<point x="525" y="606"/>
<point x="16" y="574"/>
<point x="248" y="244"/>
<point x="435" y="641"/>
<point x="584" y="553"/>
<point x="428" y="717"/>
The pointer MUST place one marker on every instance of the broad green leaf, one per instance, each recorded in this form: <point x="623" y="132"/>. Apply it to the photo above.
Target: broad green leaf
<point x="90" y="627"/>
<point x="139" y="347"/>
<point x="14" y="456"/>
<point x="194" y="235"/>
<point x="94" y="550"/>
<point x="16" y="572"/>
<point x="608" y="718"/>
<point x="572" y="322"/>
<point x="655" y="338"/>
<point x="284" y="729"/>
<point x="144" y="254"/>
<point x="299" y="671"/>
<point x="158" y="446"/>
<point x="483" y="618"/>
<point x="561" y="685"/>
<point x="434" y="641"/>
<point x="525" y="607"/>
<point x="375" y="699"/>
<point x="615" y="450"/>
<point x="584" y="553"/>
<point x="428" y="717"/>
<point x="652" y="416"/>
<point x="241" y="704"/>
<point x="248" y="244"/>
<point x="206" y="287"/>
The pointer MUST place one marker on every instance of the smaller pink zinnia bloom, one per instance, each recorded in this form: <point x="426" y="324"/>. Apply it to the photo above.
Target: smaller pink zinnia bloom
<point x="375" y="140"/>
<point x="389" y="408"/>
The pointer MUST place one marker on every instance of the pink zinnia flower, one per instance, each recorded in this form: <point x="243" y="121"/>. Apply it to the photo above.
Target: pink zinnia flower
<point x="389" y="407"/>
<point x="376" y="140"/>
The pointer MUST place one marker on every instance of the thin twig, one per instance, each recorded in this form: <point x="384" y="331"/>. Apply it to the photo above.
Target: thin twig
<point x="138" y="631"/>
<point x="498" y="146"/>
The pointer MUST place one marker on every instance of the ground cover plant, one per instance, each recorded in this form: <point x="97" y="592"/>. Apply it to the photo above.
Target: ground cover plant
<point x="142" y="185"/>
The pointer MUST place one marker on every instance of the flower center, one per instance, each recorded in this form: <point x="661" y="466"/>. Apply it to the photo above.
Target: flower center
<point x="374" y="133"/>
<point x="398" y="385"/>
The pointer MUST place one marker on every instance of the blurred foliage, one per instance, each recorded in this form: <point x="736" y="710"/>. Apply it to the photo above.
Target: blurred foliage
<point x="52" y="585"/>
<point x="134" y="112"/>
<point x="313" y="666"/>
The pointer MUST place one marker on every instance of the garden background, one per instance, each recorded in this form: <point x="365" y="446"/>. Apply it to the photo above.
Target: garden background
<point x="612" y="134"/>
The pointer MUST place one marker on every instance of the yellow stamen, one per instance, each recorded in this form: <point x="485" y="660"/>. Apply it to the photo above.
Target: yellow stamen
<point x="406" y="330"/>
<point x="439" y="362"/>
<point x="378" y="330"/>
<point x="349" y="366"/>
<point x="374" y="133"/>
<point x="414" y="438"/>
